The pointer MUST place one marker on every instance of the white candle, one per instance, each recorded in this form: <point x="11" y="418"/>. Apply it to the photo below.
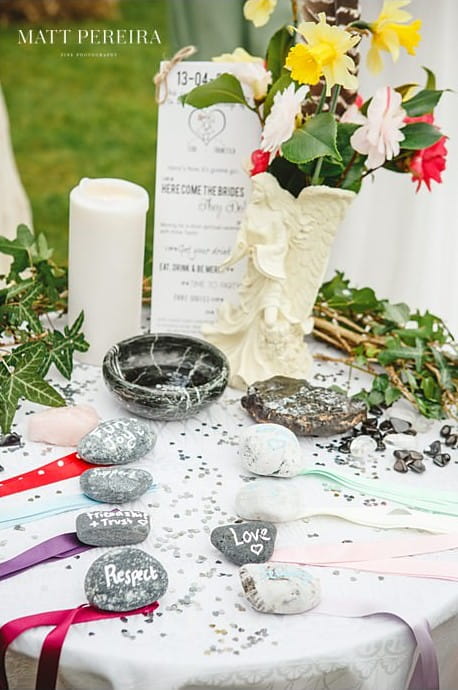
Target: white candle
<point x="105" y="264"/>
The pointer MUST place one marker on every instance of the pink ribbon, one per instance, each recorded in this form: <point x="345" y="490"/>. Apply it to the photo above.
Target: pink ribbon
<point x="48" y="663"/>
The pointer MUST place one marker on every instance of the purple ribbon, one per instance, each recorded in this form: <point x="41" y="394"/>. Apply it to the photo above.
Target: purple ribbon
<point x="425" y="674"/>
<point x="61" y="546"/>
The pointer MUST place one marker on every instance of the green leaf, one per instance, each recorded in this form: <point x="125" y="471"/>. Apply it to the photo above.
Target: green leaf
<point x="395" y="350"/>
<point x="405" y="88"/>
<point x="423" y="102"/>
<point x="224" y="89"/>
<point x="430" y="389"/>
<point x="430" y="79"/>
<point x="277" y="50"/>
<point x="398" y="313"/>
<point x="37" y="390"/>
<point x="391" y="395"/>
<point x="43" y="252"/>
<point x="419" y="135"/>
<point x="315" y="139"/>
<point x="24" y="236"/>
<point x="19" y="254"/>
<point x="280" y="85"/>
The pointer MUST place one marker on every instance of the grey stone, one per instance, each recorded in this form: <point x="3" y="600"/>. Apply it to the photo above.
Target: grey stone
<point x="124" y="580"/>
<point x="305" y="409"/>
<point x="112" y="528"/>
<point x="117" y="442"/>
<point x="247" y="542"/>
<point x="115" y="484"/>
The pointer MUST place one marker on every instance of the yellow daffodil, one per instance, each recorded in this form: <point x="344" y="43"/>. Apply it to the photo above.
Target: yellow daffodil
<point x="323" y="54"/>
<point x="390" y="32"/>
<point x="259" y="11"/>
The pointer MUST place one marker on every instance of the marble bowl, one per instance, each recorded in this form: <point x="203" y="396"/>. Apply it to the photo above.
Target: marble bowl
<point x="165" y="376"/>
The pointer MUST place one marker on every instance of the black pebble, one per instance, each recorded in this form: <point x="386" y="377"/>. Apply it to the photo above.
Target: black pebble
<point x="417" y="466"/>
<point x="442" y="459"/>
<point x="401" y="454"/>
<point x="446" y="430"/>
<point x="376" y="410"/>
<point x="386" y="425"/>
<point x="400" y="466"/>
<point x="380" y="446"/>
<point x="451" y="441"/>
<point x="415" y="455"/>
<point x="12" y="439"/>
<point x="433" y="449"/>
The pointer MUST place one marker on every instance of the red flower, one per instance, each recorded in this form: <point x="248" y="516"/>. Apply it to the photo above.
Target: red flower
<point x="359" y="100"/>
<point x="427" y="164"/>
<point x="260" y="161"/>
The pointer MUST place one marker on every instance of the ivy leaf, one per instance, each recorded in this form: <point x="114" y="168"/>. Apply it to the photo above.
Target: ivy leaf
<point x="61" y="347"/>
<point x="315" y="139"/>
<point x="224" y="89"/>
<point x="24" y="236"/>
<point x="20" y="256"/>
<point x="277" y="50"/>
<point x="419" y="135"/>
<point x="19" y="305"/>
<point x="398" y="313"/>
<point x="20" y="378"/>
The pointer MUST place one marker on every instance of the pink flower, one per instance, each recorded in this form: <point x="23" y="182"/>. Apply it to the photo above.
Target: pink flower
<point x="282" y="119"/>
<point x="260" y="162"/>
<point x="379" y="137"/>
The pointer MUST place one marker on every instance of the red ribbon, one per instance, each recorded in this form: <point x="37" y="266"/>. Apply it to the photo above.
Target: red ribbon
<point x="55" y="471"/>
<point x="48" y="664"/>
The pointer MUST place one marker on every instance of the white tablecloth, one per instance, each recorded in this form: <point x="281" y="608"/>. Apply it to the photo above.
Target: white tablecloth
<point x="204" y="634"/>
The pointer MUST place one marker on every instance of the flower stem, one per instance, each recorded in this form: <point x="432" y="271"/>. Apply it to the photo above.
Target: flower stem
<point x="332" y="110"/>
<point x="294" y="9"/>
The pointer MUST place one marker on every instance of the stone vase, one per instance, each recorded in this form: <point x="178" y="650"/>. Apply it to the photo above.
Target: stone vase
<point x="286" y="242"/>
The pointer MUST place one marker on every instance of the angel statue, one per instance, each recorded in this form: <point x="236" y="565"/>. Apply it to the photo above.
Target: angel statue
<point x="286" y="242"/>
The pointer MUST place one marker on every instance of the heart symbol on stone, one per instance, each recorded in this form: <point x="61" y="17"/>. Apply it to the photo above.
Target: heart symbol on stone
<point x="256" y="548"/>
<point x="207" y="124"/>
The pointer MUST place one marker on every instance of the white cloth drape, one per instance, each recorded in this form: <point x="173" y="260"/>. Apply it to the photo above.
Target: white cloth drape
<point x="403" y="244"/>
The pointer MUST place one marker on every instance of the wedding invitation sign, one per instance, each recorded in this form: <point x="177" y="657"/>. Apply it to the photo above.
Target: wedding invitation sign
<point x="202" y="189"/>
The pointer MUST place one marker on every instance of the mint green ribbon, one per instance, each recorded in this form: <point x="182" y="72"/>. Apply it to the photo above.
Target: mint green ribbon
<point x="430" y="500"/>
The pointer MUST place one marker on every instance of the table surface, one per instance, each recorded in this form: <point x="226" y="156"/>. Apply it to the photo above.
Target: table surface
<point x="205" y="634"/>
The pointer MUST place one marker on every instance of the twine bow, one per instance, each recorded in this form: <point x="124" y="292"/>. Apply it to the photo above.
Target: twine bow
<point x="161" y="77"/>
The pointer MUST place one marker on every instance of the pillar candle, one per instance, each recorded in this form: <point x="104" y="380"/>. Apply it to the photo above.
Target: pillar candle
<point x="105" y="264"/>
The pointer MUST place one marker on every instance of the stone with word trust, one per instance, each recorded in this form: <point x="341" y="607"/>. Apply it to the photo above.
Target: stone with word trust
<point x="112" y="528"/>
<point x="246" y="542"/>
<point x="124" y="580"/>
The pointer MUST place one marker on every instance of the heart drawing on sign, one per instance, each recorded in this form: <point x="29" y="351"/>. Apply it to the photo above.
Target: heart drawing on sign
<point x="207" y="124"/>
<point x="256" y="548"/>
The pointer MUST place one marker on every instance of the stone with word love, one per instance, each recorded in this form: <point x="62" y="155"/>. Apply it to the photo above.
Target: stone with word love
<point x="279" y="587"/>
<point x="270" y="449"/>
<point x="117" y="442"/>
<point x="247" y="542"/>
<point x="124" y="580"/>
<point x="115" y="485"/>
<point x="109" y="528"/>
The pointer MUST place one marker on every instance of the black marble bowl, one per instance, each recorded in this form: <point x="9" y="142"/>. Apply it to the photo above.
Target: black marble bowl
<point x="165" y="376"/>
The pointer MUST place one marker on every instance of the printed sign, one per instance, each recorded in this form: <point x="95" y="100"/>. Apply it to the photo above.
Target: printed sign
<point x="202" y="189"/>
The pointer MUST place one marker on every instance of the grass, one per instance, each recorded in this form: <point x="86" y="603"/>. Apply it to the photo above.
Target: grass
<point x="74" y="117"/>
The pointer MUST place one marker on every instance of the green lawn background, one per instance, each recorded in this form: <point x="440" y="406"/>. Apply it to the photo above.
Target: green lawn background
<point x="82" y="117"/>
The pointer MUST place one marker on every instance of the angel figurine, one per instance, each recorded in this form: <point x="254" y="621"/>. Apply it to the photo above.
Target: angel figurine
<point x="286" y="242"/>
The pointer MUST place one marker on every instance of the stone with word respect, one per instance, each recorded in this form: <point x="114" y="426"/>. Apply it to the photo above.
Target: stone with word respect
<point x="124" y="580"/>
<point x="279" y="587"/>
<point x="110" y="528"/>
<point x="117" y="442"/>
<point x="62" y="426"/>
<point x="272" y="500"/>
<point x="247" y="542"/>
<point x="270" y="449"/>
<point x="115" y="485"/>
<point x="305" y="409"/>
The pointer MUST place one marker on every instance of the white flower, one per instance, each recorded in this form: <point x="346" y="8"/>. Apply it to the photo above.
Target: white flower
<point x="379" y="137"/>
<point x="250" y="71"/>
<point x="281" y="121"/>
<point x="353" y="115"/>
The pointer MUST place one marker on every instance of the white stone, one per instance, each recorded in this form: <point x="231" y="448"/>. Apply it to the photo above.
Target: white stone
<point x="271" y="450"/>
<point x="363" y="446"/>
<point x="401" y="441"/>
<point x="279" y="587"/>
<point x="273" y="500"/>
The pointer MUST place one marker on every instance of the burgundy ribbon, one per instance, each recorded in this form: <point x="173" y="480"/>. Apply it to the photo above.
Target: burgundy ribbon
<point x="61" y="546"/>
<point x="48" y="664"/>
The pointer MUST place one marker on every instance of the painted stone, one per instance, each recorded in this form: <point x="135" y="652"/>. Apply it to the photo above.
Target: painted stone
<point x="247" y="542"/>
<point x="117" y="442"/>
<point x="165" y="376"/>
<point x="112" y="528"/>
<point x="272" y="500"/>
<point x="124" y="580"/>
<point x="115" y="485"/>
<point x="305" y="409"/>
<point x="270" y="449"/>
<point x="279" y="587"/>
